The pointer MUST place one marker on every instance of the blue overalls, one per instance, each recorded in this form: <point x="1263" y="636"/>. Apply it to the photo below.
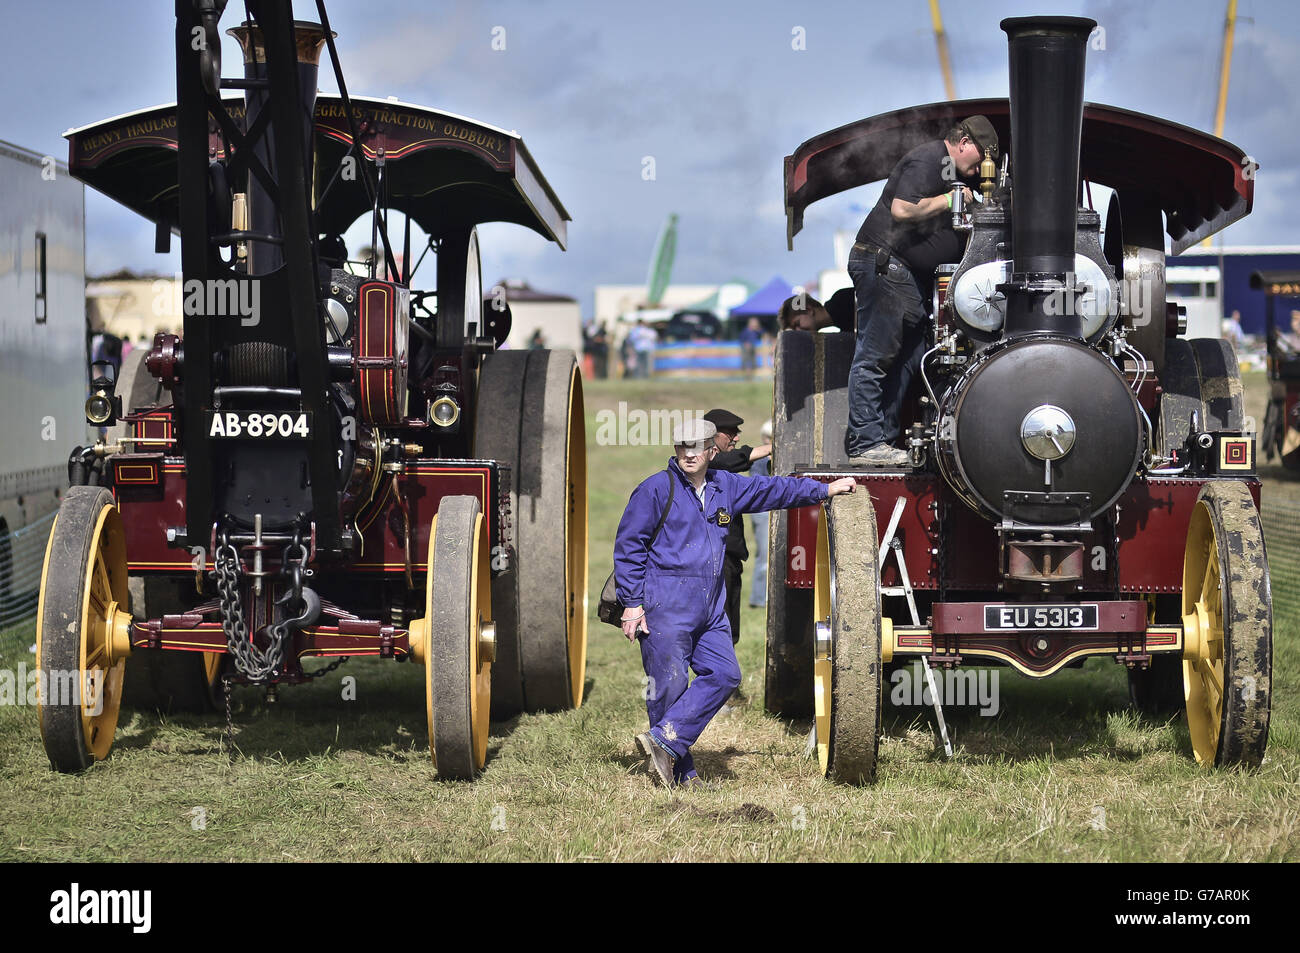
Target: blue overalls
<point x="680" y="585"/>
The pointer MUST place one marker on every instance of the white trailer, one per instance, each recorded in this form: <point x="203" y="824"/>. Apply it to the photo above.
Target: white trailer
<point x="43" y="360"/>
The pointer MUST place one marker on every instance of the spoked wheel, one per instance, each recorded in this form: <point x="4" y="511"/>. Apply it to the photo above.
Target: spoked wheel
<point x="847" y="665"/>
<point x="530" y="416"/>
<point x="82" y="629"/>
<point x="456" y="639"/>
<point x="1227" y="628"/>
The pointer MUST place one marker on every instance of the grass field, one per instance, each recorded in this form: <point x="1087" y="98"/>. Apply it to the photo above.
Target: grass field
<point x="1065" y="771"/>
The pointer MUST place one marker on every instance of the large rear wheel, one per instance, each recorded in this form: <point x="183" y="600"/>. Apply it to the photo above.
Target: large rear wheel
<point x="530" y="416"/>
<point x="1227" y="628"/>
<point x="787" y="687"/>
<point x="847" y="668"/>
<point x="82" y="629"/>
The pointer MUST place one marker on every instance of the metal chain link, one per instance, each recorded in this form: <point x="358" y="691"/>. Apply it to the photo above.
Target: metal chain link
<point x="226" y="681"/>
<point x="251" y="662"/>
<point x="327" y="669"/>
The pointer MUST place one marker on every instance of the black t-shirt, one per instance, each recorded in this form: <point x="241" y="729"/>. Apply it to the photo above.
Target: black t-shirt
<point x="734" y="461"/>
<point x="926" y="244"/>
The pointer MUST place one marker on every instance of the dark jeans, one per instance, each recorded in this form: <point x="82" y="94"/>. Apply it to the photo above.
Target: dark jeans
<point x="891" y="340"/>
<point x="732" y="568"/>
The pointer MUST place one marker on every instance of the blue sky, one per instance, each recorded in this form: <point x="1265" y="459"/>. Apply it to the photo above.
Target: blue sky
<point x="713" y="91"/>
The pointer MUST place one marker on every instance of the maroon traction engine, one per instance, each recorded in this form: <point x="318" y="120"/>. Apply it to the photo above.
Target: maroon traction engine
<point x="1080" y="483"/>
<point x="329" y="462"/>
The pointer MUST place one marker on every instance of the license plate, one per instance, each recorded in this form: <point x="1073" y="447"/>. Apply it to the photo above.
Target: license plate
<point x="1039" y="616"/>
<point x="258" y="425"/>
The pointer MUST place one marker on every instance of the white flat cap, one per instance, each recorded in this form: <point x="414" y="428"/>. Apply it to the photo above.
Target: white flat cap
<point x="693" y="430"/>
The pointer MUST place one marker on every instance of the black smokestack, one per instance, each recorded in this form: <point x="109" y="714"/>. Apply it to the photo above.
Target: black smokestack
<point x="1047" y="59"/>
<point x="264" y="257"/>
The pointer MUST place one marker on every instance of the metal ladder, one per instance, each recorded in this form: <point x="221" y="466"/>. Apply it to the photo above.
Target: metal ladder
<point x="892" y="544"/>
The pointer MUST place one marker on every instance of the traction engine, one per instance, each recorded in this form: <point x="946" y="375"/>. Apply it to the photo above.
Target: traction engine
<point x="328" y="462"/>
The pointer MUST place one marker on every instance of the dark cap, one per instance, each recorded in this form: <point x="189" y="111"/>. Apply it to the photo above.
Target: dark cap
<point x="982" y="134"/>
<point x="723" y="419"/>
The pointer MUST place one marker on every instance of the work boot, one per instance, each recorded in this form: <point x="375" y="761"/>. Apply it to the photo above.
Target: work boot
<point x="661" y="762"/>
<point x="881" y="455"/>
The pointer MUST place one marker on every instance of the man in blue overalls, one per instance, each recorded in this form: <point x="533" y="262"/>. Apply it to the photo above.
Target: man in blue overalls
<point x="674" y="590"/>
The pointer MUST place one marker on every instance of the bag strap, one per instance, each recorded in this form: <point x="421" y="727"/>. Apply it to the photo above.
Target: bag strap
<point x="672" y="485"/>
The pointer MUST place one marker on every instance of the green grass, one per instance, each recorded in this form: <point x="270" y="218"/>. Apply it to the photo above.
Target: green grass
<point x="1066" y="771"/>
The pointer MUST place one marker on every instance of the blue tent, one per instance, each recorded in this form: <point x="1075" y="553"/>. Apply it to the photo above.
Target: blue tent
<point x="766" y="301"/>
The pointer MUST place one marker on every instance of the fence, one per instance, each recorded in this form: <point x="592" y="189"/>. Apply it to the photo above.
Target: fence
<point x="1281" y="518"/>
<point x="22" y="554"/>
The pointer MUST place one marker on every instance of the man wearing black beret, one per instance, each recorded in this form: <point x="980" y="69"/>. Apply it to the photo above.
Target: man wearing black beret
<point x="733" y="459"/>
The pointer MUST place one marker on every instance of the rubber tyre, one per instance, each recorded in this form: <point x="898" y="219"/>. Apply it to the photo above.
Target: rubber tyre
<point x="456" y="681"/>
<point x="530" y="417"/>
<point x="849" y="590"/>
<point x="61" y="622"/>
<point x="1227" y="524"/>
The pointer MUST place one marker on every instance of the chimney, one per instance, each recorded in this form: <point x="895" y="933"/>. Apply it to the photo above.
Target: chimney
<point x="264" y="257"/>
<point x="1046" y="75"/>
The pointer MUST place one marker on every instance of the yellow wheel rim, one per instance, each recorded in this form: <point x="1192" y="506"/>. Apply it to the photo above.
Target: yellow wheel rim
<point x="479" y="592"/>
<point x="480" y="686"/>
<point x="103" y="596"/>
<point x="823" y="597"/>
<point x="1203" y="627"/>
<point x="575" y="570"/>
<point x="105" y="591"/>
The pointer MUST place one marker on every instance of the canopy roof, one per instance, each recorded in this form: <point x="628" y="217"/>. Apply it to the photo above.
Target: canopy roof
<point x="1200" y="182"/>
<point x="445" y="171"/>
<point x="766" y="300"/>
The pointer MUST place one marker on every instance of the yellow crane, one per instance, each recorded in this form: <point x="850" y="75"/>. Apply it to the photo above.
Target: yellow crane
<point x="941" y="39"/>
<point x="1229" y="25"/>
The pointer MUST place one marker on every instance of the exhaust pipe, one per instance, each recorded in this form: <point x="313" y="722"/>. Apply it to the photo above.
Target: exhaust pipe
<point x="1046" y="77"/>
<point x="265" y="257"/>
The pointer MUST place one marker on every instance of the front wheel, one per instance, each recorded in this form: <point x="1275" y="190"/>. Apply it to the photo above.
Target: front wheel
<point x="847" y="662"/>
<point x="82" y="629"/>
<point x="1227" y="628"/>
<point x="456" y="639"/>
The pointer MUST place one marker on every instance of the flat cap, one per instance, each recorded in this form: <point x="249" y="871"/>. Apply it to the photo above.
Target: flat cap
<point x="984" y="135"/>
<point x="723" y="419"/>
<point x="693" y="430"/>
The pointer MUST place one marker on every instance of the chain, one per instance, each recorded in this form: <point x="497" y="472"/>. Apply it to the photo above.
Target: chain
<point x="327" y="669"/>
<point x="230" y="718"/>
<point x="255" y="665"/>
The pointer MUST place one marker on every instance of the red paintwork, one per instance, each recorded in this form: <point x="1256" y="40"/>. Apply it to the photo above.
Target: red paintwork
<point x="1153" y="517"/>
<point x="147" y="513"/>
<point x="425" y="483"/>
<point x="380" y="355"/>
<point x="1153" y="520"/>
<point x="349" y="637"/>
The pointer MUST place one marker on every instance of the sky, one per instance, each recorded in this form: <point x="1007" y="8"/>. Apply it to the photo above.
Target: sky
<point x="716" y="92"/>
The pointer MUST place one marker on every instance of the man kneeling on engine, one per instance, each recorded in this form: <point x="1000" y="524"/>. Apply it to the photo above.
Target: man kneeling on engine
<point x="907" y="235"/>
<point x="668" y="559"/>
